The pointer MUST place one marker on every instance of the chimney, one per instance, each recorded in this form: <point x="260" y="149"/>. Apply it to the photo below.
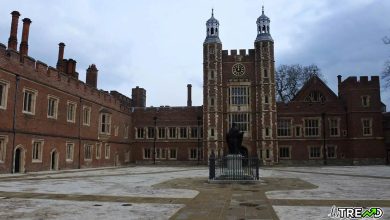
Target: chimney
<point x="24" y="44"/>
<point x="189" y="101"/>
<point x="13" y="37"/>
<point x="60" y="63"/>
<point x="92" y="74"/>
<point x="71" y="68"/>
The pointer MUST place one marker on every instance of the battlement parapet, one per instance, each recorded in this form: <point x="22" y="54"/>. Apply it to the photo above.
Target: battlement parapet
<point x="363" y="81"/>
<point x="238" y="55"/>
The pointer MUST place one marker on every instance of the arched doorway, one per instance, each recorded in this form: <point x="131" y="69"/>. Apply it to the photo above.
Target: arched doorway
<point x="18" y="166"/>
<point x="54" y="160"/>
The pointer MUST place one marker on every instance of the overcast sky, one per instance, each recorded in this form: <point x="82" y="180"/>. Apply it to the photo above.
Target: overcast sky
<point x="157" y="45"/>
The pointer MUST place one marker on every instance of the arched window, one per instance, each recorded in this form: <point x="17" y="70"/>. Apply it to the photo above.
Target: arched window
<point x="216" y="30"/>
<point x="263" y="29"/>
<point x="315" y="96"/>
<point x="212" y="31"/>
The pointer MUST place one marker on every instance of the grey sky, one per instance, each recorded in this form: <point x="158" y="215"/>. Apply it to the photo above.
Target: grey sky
<point x="158" y="44"/>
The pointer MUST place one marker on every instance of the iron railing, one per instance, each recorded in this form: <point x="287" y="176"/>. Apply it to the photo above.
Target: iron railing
<point x="233" y="167"/>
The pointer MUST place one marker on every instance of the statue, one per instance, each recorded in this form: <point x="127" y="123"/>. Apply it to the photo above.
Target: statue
<point x="234" y="139"/>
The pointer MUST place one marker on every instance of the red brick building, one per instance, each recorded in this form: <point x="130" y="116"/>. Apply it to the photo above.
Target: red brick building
<point x="51" y="120"/>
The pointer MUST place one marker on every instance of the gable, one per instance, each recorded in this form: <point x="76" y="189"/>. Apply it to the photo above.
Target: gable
<point x="315" y="90"/>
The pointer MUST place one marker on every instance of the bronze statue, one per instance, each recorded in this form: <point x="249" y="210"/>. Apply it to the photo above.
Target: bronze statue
<point x="234" y="139"/>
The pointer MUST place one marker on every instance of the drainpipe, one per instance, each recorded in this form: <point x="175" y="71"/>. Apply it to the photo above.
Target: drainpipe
<point x="79" y="135"/>
<point x="14" y="123"/>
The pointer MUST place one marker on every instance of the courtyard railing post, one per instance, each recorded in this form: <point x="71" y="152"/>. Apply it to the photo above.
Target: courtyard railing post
<point x="212" y="166"/>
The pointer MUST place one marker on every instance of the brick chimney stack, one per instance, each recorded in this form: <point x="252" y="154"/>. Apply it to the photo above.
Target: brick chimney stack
<point x="189" y="99"/>
<point x="13" y="37"/>
<point x="24" y="44"/>
<point x="92" y="75"/>
<point x="60" y="62"/>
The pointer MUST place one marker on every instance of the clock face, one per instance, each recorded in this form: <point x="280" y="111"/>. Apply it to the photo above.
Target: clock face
<point x="238" y="69"/>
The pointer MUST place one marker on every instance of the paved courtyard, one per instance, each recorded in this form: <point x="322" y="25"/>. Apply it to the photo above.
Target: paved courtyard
<point x="147" y="192"/>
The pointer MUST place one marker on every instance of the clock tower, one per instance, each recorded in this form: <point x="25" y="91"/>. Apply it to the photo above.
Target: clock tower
<point x="239" y="87"/>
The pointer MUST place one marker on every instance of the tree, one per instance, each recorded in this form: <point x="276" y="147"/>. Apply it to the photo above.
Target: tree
<point x="386" y="71"/>
<point x="291" y="78"/>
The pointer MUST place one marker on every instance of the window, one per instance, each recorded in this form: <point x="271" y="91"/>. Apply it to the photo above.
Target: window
<point x="52" y="107"/>
<point x="107" y="151"/>
<point x="160" y="153"/>
<point x="69" y="151"/>
<point x="147" y="153"/>
<point x="86" y="115"/>
<point x="331" y="151"/>
<point x="37" y="150"/>
<point x="284" y="127"/>
<point x="315" y="152"/>
<point x="151" y="132"/>
<point x="29" y="99"/>
<point x="267" y="132"/>
<point x="116" y="130"/>
<point x="3" y="146"/>
<point x="211" y="102"/>
<point x="267" y="154"/>
<point x="172" y="132"/>
<point x="161" y="133"/>
<point x="241" y="120"/>
<point x="194" y="132"/>
<point x="315" y="96"/>
<point x="365" y="101"/>
<point x="312" y="127"/>
<point x="212" y="132"/>
<point x="284" y="152"/>
<point x="239" y="95"/>
<point x="183" y="132"/>
<point x="367" y="126"/>
<point x="193" y="154"/>
<point x="265" y="73"/>
<point x="98" y="150"/>
<point x="172" y="154"/>
<point x="126" y="132"/>
<point x="334" y="127"/>
<point x="297" y="131"/>
<point x="212" y="74"/>
<point x="88" y="151"/>
<point x="266" y="101"/>
<point x="140" y="133"/>
<point x="105" y="123"/>
<point x="3" y="94"/>
<point x="71" y="112"/>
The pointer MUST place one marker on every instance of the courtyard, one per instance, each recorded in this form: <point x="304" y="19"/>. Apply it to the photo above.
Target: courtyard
<point x="148" y="192"/>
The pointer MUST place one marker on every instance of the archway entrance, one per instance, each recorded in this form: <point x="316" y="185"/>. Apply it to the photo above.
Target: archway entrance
<point x="18" y="160"/>
<point x="54" y="160"/>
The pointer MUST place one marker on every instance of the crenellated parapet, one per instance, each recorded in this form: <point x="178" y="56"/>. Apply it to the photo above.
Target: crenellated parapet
<point x="242" y="55"/>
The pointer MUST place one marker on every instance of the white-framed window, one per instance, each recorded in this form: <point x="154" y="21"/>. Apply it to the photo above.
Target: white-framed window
<point x="367" y="126"/>
<point x="126" y="132"/>
<point x="315" y="96"/>
<point x="334" y="127"/>
<point x="52" y="106"/>
<point x="3" y="148"/>
<point x="98" y="150"/>
<point x="267" y="154"/>
<point x="105" y="123"/>
<point x="239" y="95"/>
<point x="71" y="112"/>
<point x="69" y="151"/>
<point x="86" y="115"/>
<point x="147" y="153"/>
<point x="161" y="133"/>
<point x="88" y="149"/>
<point x="267" y="132"/>
<point x="193" y="154"/>
<point x="194" y="132"/>
<point x="212" y="132"/>
<point x="241" y="120"/>
<point x="3" y="94"/>
<point x="365" y="101"/>
<point x="172" y="132"/>
<point x="37" y="148"/>
<point x="315" y="152"/>
<point x="172" y="154"/>
<point x="107" y="150"/>
<point x="298" y="131"/>
<point x="116" y="130"/>
<point x="29" y="100"/>
<point x="140" y="133"/>
<point x="312" y="127"/>
<point x="266" y="100"/>
<point x="151" y="132"/>
<point x="284" y="127"/>
<point x="183" y="132"/>
<point x="331" y="151"/>
<point x="285" y="152"/>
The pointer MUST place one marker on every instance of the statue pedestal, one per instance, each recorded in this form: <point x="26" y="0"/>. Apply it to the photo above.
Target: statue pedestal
<point x="234" y="165"/>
